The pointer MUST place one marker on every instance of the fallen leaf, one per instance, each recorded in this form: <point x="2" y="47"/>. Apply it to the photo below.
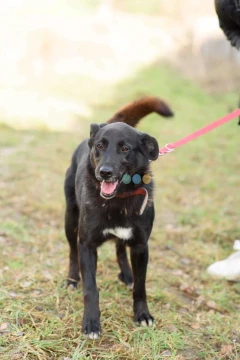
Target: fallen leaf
<point x="212" y="305"/>
<point x="17" y="356"/>
<point x="20" y="333"/>
<point x="2" y="239"/>
<point x="183" y="311"/>
<point x="4" y="327"/>
<point x="198" y="316"/>
<point x="22" y="321"/>
<point x="39" y="308"/>
<point x="47" y="275"/>
<point x="200" y="300"/>
<point x="166" y="353"/>
<point x="178" y="272"/>
<point x="226" y="349"/>
<point x="185" y="261"/>
<point x="195" y="326"/>
<point x="60" y="316"/>
<point x="211" y="311"/>
<point x="25" y="284"/>
<point x="187" y="289"/>
<point x="170" y="228"/>
<point x="167" y="306"/>
<point x="172" y="328"/>
<point x="36" y="292"/>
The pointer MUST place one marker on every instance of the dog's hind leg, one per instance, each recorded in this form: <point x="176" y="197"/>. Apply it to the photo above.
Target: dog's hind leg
<point x="126" y="273"/>
<point x="71" y="230"/>
<point x="71" y="227"/>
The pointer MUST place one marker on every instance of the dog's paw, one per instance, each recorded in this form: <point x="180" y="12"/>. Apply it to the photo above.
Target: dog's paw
<point x="72" y="284"/>
<point x="93" y="336"/>
<point x="127" y="279"/>
<point x="71" y="288"/>
<point x="130" y="286"/>
<point x="144" y="319"/>
<point x="91" y="328"/>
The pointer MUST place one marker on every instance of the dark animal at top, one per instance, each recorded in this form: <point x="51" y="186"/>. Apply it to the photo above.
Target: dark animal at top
<point x="228" y="12"/>
<point x="103" y="201"/>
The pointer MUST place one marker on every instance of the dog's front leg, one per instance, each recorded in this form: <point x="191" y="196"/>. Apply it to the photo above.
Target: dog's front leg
<point x="88" y="264"/>
<point x="139" y="260"/>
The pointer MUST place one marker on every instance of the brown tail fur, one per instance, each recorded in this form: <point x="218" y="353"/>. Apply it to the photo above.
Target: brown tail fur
<point x="132" y="113"/>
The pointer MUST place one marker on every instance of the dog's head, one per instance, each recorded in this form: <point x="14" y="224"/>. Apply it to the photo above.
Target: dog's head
<point x="118" y="149"/>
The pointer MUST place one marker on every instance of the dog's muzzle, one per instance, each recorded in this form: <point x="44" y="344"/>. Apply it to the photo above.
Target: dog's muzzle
<point x="108" y="182"/>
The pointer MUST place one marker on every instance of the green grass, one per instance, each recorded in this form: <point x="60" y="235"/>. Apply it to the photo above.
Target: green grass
<point x="197" y="220"/>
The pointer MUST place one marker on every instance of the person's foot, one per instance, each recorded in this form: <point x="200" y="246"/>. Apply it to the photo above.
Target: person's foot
<point x="229" y="268"/>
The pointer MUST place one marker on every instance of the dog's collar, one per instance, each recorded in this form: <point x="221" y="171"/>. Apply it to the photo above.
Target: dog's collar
<point x="139" y="191"/>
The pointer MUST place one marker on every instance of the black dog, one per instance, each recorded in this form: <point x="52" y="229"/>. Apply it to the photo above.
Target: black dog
<point x="105" y="201"/>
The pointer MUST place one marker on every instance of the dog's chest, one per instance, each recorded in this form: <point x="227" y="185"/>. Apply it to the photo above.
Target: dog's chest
<point x="124" y="233"/>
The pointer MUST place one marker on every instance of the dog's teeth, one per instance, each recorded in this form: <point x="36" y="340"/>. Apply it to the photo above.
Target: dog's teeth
<point x="143" y="323"/>
<point x="93" y="336"/>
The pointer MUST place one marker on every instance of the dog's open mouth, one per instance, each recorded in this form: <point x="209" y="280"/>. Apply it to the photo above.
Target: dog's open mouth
<point x="108" y="189"/>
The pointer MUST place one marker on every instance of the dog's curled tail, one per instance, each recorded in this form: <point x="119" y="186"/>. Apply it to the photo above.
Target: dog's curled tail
<point x="132" y="113"/>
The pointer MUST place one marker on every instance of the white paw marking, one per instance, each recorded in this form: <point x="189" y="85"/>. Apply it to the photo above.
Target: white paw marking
<point x="71" y="288"/>
<point x="150" y="323"/>
<point x="120" y="232"/>
<point x="93" y="336"/>
<point x="147" y="323"/>
<point x="130" y="286"/>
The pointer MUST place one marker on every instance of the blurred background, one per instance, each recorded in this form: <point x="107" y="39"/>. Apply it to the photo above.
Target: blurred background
<point x="59" y="58"/>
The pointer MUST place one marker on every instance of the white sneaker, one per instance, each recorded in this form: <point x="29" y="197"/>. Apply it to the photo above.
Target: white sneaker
<point x="229" y="268"/>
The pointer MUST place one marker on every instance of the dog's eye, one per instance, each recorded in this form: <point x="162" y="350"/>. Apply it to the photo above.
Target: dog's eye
<point x="99" y="146"/>
<point x="124" y="149"/>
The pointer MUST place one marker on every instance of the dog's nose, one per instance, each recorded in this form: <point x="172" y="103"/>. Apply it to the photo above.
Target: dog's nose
<point x="106" y="172"/>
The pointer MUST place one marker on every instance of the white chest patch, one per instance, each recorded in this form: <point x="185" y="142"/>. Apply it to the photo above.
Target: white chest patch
<point x="120" y="232"/>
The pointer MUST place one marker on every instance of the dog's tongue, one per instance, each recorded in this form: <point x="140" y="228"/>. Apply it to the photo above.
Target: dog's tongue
<point x="108" y="187"/>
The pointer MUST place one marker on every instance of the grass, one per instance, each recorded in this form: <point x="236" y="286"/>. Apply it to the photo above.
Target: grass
<point x="197" y="220"/>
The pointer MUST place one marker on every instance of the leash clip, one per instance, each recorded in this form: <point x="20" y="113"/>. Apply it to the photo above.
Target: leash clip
<point x="166" y="149"/>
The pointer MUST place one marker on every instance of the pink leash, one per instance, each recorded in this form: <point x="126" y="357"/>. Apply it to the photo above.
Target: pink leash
<point x="171" y="147"/>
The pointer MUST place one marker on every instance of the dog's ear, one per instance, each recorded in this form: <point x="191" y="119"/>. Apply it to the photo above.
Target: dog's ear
<point x="150" y="145"/>
<point x="94" y="128"/>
